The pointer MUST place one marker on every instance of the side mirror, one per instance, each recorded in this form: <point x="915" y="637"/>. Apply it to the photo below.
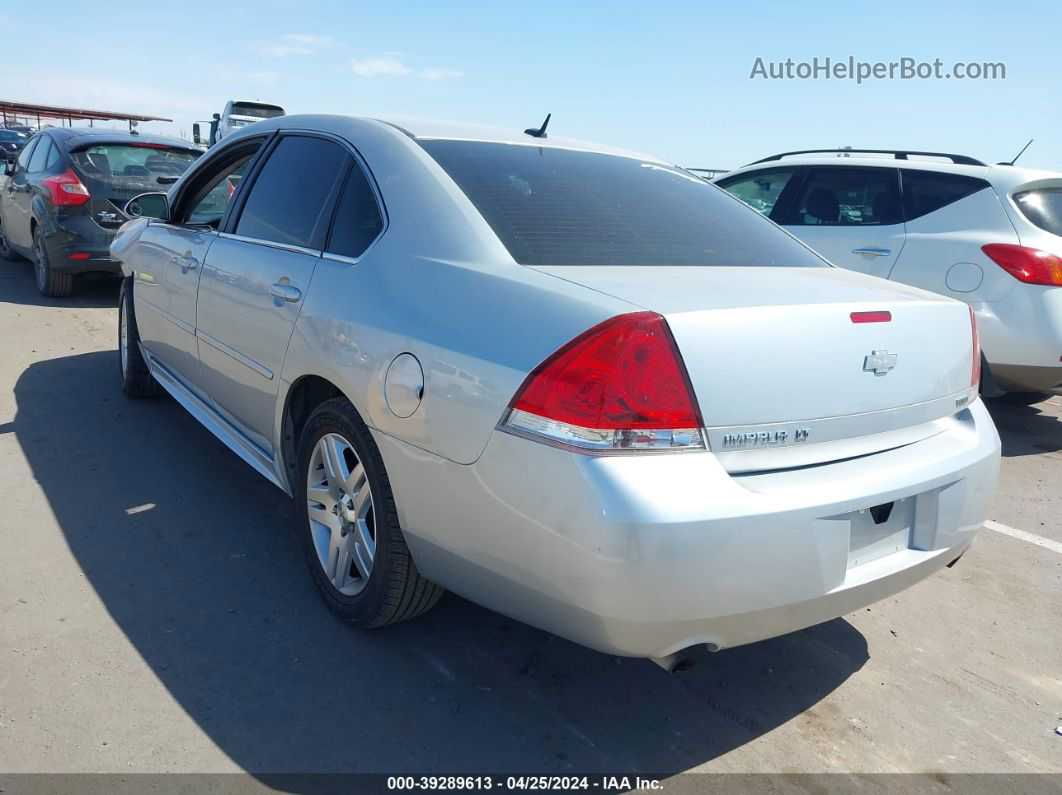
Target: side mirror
<point x="217" y="116"/>
<point x="195" y="134"/>
<point x="149" y="205"/>
<point x="9" y="168"/>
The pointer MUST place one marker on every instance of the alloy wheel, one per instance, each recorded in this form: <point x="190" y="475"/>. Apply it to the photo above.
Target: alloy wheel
<point x="339" y="506"/>
<point x="40" y="264"/>
<point x="123" y="339"/>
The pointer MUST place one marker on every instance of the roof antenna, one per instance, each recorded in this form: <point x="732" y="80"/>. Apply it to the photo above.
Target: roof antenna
<point x="539" y="132"/>
<point x="1015" y="160"/>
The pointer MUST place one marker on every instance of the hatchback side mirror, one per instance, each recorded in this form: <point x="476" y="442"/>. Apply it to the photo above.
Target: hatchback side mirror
<point x="9" y="168"/>
<point x="149" y="205"/>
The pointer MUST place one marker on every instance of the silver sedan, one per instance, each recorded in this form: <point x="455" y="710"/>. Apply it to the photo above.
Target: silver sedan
<point x="575" y="384"/>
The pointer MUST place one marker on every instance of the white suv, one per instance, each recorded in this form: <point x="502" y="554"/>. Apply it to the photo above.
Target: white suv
<point x="990" y="236"/>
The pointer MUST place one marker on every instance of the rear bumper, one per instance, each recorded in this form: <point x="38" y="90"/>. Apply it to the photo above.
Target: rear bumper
<point x="77" y="245"/>
<point x="645" y="555"/>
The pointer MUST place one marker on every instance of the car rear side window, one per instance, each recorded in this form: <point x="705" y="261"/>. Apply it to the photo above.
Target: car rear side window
<point x="761" y="190"/>
<point x="552" y="206"/>
<point x="358" y="220"/>
<point x="1043" y="207"/>
<point x="291" y="198"/>
<point x="847" y="196"/>
<point x="27" y="154"/>
<point x="40" y="155"/>
<point x="927" y="191"/>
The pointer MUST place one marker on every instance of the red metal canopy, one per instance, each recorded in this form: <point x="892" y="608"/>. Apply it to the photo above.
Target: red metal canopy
<point x="29" y="110"/>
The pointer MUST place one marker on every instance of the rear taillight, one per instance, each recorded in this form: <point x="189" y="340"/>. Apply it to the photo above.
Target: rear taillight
<point x="66" y="189"/>
<point x="1029" y="265"/>
<point x="975" y="371"/>
<point x="619" y="386"/>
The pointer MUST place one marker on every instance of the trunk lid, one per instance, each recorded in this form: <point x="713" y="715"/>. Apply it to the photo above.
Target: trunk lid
<point x="782" y="374"/>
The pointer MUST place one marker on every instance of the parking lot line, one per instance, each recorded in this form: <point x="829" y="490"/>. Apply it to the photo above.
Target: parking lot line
<point x="1032" y="538"/>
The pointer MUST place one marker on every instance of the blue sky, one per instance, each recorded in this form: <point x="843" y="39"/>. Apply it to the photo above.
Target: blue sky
<point x="668" y="78"/>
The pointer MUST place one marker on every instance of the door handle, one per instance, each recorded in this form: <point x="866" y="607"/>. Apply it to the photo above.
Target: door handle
<point x="187" y="262"/>
<point x="285" y="292"/>
<point x="872" y="251"/>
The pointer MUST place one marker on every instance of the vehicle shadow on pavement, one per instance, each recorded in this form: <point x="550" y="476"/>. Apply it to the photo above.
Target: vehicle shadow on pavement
<point x="17" y="287"/>
<point x="191" y="553"/>
<point x="1026" y="430"/>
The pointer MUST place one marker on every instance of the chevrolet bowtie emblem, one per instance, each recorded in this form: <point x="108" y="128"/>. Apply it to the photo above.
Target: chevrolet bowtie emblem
<point x="879" y="362"/>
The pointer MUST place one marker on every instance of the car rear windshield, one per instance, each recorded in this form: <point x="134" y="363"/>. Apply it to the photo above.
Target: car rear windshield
<point x="1043" y="207"/>
<point x="133" y="164"/>
<point x="257" y="111"/>
<point x="553" y="206"/>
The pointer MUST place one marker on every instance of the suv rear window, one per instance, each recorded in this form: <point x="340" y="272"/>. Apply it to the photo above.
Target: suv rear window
<point x="133" y="165"/>
<point x="553" y="206"/>
<point x="255" y="110"/>
<point x="1043" y="207"/>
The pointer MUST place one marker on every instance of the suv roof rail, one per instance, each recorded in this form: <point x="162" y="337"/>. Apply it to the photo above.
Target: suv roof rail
<point x="899" y="154"/>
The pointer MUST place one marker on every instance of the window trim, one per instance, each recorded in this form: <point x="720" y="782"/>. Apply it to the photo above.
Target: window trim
<point x="790" y="211"/>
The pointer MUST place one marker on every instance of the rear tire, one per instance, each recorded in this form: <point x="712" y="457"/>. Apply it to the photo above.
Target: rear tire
<point x="137" y="381"/>
<point x="6" y="251"/>
<point x="347" y="532"/>
<point x="50" y="282"/>
<point x="1024" y="398"/>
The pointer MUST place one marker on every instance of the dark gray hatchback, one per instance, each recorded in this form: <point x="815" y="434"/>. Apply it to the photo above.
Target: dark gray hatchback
<point x="64" y="196"/>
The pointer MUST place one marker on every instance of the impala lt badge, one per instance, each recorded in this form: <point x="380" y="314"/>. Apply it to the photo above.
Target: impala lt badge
<point x="879" y="362"/>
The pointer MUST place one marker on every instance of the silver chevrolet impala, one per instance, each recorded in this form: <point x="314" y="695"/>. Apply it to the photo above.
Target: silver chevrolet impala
<point x="575" y="384"/>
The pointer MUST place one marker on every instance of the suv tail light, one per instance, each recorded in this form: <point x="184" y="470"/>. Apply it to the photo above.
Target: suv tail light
<point x="66" y="189"/>
<point x="619" y="386"/>
<point x="975" y="371"/>
<point x="1029" y="265"/>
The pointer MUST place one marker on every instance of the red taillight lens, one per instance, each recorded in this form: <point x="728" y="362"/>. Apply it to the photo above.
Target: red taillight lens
<point x="66" y="189"/>
<point x="619" y="385"/>
<point x="975" y="374"/>
<point x="1029" y="265"/>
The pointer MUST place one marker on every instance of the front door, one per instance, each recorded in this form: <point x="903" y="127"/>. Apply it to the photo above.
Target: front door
<point x="851" y="215"/>
<point x="256" y="275"/>
<point x="170" y="259"/>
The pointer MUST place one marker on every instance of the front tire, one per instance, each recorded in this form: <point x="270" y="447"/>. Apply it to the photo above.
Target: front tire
<point x="346" y="517"/>
<point x="50" y="282"/>
<point x="137" y="381"/>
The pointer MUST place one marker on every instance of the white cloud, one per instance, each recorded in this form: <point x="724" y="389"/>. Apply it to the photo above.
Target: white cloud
<point x="294" y="44"/>
<point x="376" y="67"/>
<point x="391" y="66"/>
<point x="441" y="74"/>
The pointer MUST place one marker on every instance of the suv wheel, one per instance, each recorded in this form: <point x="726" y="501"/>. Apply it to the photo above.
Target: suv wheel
<point x="137" y="380"/>
<point x="50" y="282"/>
<point x="6" y="251"/>
<point x="345" y="513"/>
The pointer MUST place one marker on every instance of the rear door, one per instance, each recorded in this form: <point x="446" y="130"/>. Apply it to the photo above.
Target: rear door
<point x="256" y="274"/>
<point x="18" y="193"/>
<point x="170" y="258"/>
<point x="851" y="215"/>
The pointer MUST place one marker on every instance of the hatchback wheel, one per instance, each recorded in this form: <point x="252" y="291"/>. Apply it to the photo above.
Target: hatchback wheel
<point x="50" y="282"/>
<point x="345" y="513"/>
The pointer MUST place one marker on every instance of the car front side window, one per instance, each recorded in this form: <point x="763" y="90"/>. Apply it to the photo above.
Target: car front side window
<point x="761" y="190"/>
<point x="210" y="194"/>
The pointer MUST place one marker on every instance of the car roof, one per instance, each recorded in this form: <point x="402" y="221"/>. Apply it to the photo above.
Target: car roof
<point x="432" y="129"/>
<point x="73" y="137"/>
<point x="1003" y="176"/>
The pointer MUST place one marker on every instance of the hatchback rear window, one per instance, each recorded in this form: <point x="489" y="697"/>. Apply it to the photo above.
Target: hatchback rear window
<point x="133" y="165"/>
<point x="1043" y="207"/>
<point x="554" y="206"/>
